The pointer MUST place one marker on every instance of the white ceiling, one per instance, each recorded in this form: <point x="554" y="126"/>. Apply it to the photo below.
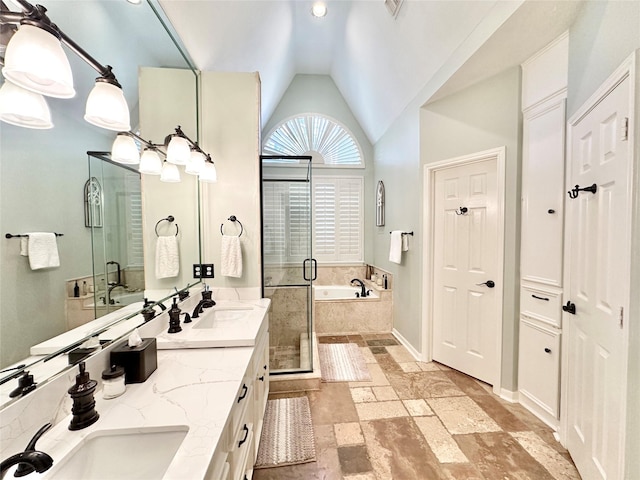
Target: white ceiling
<point x="379" y="63"/>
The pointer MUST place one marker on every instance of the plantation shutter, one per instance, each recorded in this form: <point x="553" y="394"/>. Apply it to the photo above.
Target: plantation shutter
<point x="274" y="213"/>
<point x="338" y="215"/>
<point x="135" y="251"/>
<point x="299" y="227"/>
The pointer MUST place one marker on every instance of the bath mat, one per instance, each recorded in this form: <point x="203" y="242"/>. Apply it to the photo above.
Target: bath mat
<point x="342" y="362"/>
<point x="287" y="434"/>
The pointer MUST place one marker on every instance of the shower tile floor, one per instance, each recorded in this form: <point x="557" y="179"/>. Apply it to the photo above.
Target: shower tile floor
<point x="421" y="421"/>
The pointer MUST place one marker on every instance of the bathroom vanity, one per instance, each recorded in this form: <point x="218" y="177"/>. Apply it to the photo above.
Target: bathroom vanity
<point x="198" y="416"/>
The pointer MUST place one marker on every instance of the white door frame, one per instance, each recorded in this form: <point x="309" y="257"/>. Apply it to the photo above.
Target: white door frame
<point x="430" y="170"/>
<point x="627" y="69"/>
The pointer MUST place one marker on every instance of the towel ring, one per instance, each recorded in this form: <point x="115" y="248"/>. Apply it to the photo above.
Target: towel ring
<point x="232" y="218"/>
<point x="169" y="219"/>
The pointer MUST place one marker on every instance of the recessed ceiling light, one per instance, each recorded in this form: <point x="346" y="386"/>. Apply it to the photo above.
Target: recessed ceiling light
<point x="135" y="2"/>
<point x="319" y="9"/>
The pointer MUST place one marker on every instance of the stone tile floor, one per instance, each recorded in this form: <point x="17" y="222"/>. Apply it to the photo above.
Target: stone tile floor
<point x="416" y="421"/>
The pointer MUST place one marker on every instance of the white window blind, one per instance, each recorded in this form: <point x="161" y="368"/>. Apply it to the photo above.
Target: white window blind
<point x="286" y="222"/>
<point x="135" y="252"/>
<point x="338" y="219"/>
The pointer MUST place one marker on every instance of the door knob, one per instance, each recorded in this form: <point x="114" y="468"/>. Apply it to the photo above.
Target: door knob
<point x="488" y="283"/>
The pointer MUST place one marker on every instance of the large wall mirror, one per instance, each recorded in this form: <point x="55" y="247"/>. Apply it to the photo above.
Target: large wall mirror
<point x="44" y="177"/>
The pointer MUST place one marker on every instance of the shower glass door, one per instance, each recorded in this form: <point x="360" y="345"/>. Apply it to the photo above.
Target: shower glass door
<point x="288" y="268"/>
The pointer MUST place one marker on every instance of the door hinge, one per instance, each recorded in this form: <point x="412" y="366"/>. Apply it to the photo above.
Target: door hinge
<point x="621" y="317"/>
<point x="624" y="131"/>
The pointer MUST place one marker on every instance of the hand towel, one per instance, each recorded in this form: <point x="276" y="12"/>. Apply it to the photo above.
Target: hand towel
<point x="231" y="256"/>
<point x="395" y="248"/>
<point x="167" y="257"/>
<point x="405" y="243"/>
<point x="42" y="248"/>
<point x="24" y="246"/>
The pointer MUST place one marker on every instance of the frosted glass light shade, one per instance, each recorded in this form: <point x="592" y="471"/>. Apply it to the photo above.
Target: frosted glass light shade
<point x="178" y="151"/>
<point x="150" y="163"/>
<point x="170" y="173"/>
<point x="209" y="173"/>
<point x="107" y="107"/>
<point x="34" y="60"/>
<point x="125" y="150"/>
<point x="196" y="163"/>
<point x="23" y="108"/>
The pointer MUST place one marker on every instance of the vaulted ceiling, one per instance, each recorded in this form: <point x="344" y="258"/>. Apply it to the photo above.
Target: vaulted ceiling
<point x="380" y="63"/>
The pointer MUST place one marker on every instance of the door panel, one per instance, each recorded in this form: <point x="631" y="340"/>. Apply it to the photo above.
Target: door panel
<point x="465" y="326"/>
<point x="598" y="266"/>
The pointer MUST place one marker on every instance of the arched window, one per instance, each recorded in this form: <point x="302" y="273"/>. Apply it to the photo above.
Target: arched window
<point x="327" y="141"/>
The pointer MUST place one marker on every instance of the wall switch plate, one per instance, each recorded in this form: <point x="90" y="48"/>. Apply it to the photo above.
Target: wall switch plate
<point x="203" y="270"/>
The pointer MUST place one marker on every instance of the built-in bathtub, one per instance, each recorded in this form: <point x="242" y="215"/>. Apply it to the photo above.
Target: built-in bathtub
<point x="323" y="293"/>
<point x="338" y="310"/>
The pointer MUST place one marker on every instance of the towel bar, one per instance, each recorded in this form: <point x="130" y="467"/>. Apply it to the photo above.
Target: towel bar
<point x="10" y="235"/>
<point x="404" y="233"/>
<point x="232" y="218"/>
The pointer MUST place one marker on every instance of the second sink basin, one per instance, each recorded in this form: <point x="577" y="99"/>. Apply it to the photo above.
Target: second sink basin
<point x="121" y="454"/>
<point x="218" y="316"/>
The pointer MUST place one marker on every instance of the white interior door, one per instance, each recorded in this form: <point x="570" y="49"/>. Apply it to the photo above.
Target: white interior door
<point x="467" y="296"/>
<point x="597" y="262"/>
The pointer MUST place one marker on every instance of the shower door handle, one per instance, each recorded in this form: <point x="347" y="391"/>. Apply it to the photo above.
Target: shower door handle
<point x="315" y="269"/>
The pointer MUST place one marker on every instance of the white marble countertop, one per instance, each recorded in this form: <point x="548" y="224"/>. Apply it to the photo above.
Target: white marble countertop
<point x="236" y="332"/>
<point x="194" y="388"/>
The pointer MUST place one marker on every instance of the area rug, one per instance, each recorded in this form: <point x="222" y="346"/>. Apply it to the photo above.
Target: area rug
<point x="287" y="434"/>
<point x="342" y="362"/>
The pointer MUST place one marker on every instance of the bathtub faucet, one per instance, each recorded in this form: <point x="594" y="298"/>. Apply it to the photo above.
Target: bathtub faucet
<point x="363" y="290"/>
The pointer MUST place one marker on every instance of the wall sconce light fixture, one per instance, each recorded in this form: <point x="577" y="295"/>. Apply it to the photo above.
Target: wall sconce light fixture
<point x="178" y="149"/>
<point x="35" y="61"/>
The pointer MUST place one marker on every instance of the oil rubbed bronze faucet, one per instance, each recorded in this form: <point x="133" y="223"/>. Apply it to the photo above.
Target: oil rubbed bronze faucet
<point x="363" y="289"/>
<point x="31" y="460"/>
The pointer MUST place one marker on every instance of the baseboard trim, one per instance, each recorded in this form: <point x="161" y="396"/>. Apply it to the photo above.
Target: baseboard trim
<point x="509" y="395"/>
<point x="415" y="353"/>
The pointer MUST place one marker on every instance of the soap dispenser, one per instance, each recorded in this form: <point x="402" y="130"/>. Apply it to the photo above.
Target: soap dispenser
<point x="148" y="311"/>
<point x="83" y="410"/>
<point x="174" y="317"/>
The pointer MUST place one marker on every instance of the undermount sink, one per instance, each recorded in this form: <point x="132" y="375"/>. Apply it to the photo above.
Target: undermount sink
<point x="121" y="454"/>
<point x="211" y="319"/>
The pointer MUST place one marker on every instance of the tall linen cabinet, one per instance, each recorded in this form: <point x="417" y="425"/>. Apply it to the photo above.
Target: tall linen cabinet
<point x="544" y="91"/>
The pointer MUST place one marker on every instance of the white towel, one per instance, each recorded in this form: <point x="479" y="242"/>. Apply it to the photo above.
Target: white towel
<point x="405" y="243"/>
<point x="231" y="256"/>
<point x="395" y="248"/>
<point x="42" y="249"/>
<point x="167" y="257"/>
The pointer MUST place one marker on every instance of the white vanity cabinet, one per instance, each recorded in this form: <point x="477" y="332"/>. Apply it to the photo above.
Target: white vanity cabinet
<point x="541" y="249"/>
<point x="238" y="447"/>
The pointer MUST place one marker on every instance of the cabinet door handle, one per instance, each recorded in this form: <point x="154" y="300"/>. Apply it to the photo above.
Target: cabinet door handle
<point x="246" y="434"/>
<point x="261" y="378"/>
<point x="244" y="393"/>
<point x="547" y="350"/>
<point x="540" y="298"/>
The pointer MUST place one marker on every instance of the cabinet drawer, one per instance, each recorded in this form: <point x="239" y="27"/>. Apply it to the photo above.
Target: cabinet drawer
<point x="239" y="456"/>
<point x="539" y="365"/>
<point x="541" y="304"/>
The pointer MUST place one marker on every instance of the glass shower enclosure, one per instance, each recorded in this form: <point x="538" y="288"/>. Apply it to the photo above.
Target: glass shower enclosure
<point x="288" y="268"/>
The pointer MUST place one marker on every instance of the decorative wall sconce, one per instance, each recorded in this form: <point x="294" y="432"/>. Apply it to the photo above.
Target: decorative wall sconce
<point x="380" y="204"/>
<point x="35" y="64"/>
<point x="177" y="149"/>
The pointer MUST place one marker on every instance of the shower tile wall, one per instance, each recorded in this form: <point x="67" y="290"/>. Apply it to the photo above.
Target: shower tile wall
<point x="288" y="314"/>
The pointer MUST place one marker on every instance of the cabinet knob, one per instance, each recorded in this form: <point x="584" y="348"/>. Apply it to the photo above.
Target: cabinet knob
<point x="551" y="211"/>
<point x="547" y="350"/>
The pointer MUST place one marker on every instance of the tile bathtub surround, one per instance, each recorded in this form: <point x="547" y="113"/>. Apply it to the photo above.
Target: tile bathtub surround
<point x="415" y="420"/>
